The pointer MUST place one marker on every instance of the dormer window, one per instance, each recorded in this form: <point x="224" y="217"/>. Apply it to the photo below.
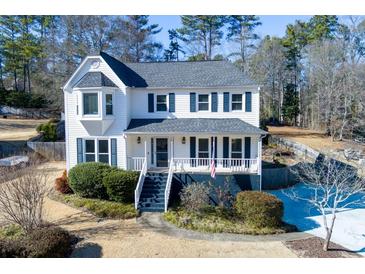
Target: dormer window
<point x="90" y="103"/>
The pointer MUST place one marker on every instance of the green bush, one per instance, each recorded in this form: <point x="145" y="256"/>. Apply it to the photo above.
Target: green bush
<point x="86" y="179"/>
<point x="48" y="242"/>
<point x="49" y="131"/>
<point x="120" y="185"/>
<point x="259" y="209"/>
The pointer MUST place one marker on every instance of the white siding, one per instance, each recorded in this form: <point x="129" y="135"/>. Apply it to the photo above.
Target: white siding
<point x="132" y="103"/>
<point x="182" y="104"/>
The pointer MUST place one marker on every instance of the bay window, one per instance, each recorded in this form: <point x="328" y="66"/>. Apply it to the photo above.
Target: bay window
<point x="108" y="104"/>
<point x="90" y="103"/>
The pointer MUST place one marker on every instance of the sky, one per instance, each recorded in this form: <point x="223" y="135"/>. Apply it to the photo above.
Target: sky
<point x="273" y="25"/>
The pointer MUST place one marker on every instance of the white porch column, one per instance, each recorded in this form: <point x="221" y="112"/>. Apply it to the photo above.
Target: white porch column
<point x="145" y="149"/>
<point x="259" y="167"/>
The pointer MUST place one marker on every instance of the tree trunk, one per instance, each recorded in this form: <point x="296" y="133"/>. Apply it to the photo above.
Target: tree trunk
<point x="28" y="73"/>
<point x="329" y="233"/>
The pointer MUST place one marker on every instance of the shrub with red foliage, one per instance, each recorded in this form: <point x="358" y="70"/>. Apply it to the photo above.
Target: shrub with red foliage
<point x="61" y="184"/>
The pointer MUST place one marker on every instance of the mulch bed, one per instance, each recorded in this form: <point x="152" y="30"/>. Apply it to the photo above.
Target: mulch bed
<point x="312" y="248"/>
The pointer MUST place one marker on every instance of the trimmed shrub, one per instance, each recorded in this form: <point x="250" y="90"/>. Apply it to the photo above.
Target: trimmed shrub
<point x="61" y="184"/>
<point x="86" y="179"/>
<point x="12" y="249"/>
<point x="259" y="209"/>
<point x="48" y="242"/>
<point x="49" y="131"/>
<point x="120" y="185"/>
<point x="195" y="197"/>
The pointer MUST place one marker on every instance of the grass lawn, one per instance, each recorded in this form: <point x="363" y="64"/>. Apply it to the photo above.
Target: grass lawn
<point x="216" y="220"/>
<point x="102" y="208"/>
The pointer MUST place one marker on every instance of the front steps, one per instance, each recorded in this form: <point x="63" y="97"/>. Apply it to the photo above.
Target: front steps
<point x="152" y="197"/>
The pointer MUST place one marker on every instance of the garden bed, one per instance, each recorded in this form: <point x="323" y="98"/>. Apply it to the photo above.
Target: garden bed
<point x="218" y="220"/>
<point x="313" y="248"/>
<point x="101" y="208"/>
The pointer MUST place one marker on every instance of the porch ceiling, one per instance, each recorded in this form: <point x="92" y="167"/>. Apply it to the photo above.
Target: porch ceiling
<point x="193" y="125"/>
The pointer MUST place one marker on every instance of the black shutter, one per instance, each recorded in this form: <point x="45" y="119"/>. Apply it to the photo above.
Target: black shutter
<point x="171" y="102"/>
<point x="225" y="150"/>
<point x="214" y="102"/>
<point x="248" y="103"/>
<point x="247" y="147"/>
<point x="226" y="101"/>
<point x="80" y="150"/>
<point x="192" y="102"/>
<point x="113" y="149"/>
<point x="192" y="150"/>
<point x="151" y="102"/>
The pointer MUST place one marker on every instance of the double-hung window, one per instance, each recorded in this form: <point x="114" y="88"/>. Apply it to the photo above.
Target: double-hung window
<point x="203" y="102"/>
<point x="108" y="104"/>
<point x="236" y="101"/>
<point x="236" y="148"/>
<point x="203" y="148"/>
<point x="89" y="150"/>
<point x="161" y="103"/>
<point x="103" y="151"/>
<point x="90" y="103"/>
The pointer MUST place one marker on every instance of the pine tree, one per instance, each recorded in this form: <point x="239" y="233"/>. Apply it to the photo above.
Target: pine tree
<point x="241" y="29"/>
<point x="290" y="104"/>
<point x="204" y="31"/>
<point x="172" y="53"/>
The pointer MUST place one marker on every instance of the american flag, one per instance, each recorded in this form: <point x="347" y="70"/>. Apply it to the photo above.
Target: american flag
<point x="212" y="162"/>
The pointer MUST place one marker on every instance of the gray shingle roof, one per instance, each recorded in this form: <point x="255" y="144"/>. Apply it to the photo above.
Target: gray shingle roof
<point x="192" y="125"/>
<point x="94" y="79"/>
<point x="178" y="74"/>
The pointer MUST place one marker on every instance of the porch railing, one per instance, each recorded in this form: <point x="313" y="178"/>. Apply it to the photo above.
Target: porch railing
<point x="168" y="184"/>
<point x="138" y="190"/>
<point x="222" y="164"/>
<point x="135" y="163"/>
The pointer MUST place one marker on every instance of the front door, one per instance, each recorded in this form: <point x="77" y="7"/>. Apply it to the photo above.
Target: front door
<point x="162" y="152"/>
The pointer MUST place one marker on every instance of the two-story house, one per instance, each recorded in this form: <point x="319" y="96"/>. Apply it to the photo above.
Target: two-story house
<point x="163" y="119"/>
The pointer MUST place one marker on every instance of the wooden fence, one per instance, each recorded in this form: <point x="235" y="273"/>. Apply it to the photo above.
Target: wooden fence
<point x="54" y="151"/>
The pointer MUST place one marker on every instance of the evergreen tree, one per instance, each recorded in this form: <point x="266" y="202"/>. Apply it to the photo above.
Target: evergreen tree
<point x="204" y="31"/>
<point x="139" y="43"/>
<point x="290" y="104"/>
<point x="172" y="53"/>
<point x="241" y="29"/>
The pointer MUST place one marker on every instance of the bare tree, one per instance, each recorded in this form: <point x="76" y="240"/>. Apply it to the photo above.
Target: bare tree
<point x="332" y="186"/>
<point x="21" y="199"/>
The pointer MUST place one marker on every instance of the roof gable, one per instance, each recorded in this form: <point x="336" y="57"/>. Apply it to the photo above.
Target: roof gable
<point x="94" y="79"/>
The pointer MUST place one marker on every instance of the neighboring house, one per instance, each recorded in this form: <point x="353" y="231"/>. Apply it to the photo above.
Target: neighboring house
<point x="163" y="118"/>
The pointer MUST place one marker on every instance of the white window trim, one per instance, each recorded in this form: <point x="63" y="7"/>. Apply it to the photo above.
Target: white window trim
<point x="197" y="101"/>
<point x="96" y="148"/>
<point x="197" y="147"/>
<point x="113" y="103"/>
<point x="82" y="103"/>
<point x="230" y="147"/>
<point x="242" y="106"/>
<point x="167" y="102"/>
